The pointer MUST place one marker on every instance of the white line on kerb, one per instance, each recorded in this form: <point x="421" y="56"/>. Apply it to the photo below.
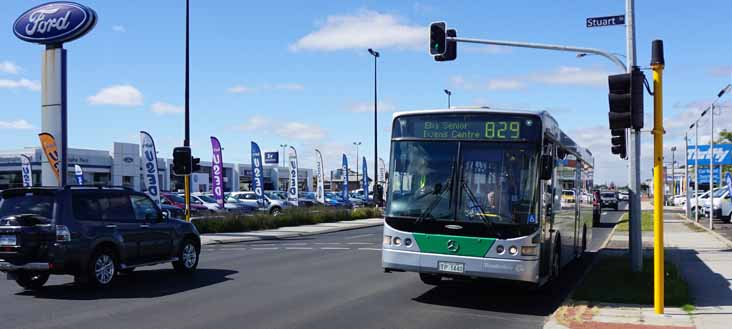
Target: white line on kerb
<point x="359" y="236"/>
<point x="334" y="248"/>
<point x="299" y="248"/>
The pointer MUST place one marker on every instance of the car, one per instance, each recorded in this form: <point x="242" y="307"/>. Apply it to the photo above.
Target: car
<point x="568" y="196"/>
<point x="722" y="205"/>
<point x="276" y="195"/>
<point x="623" y="196"/>
<point x="693" y="201"/>
<point x="273" y="206"/>
<point x="92" y="233"/>
<point x="609" y="199"/>
<point x="335" y="199"/>
<point x="173" y="211"/>
<point x="174" y="199"/>
<point x="307" y="199"/>
<point x="210" y="203"/>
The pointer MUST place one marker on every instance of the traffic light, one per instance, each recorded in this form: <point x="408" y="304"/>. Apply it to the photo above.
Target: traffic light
<point x="451" y="48"/>
<point x="437" y="38"/>
<point x="626" y="100"/>
<point x="182" y="161"/>
<point x="618" y="142"/>
<point x="196" y="164"/>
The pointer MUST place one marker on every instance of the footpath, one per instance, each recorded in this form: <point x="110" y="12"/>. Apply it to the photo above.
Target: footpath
<point x="704" y="260"/>
<point x="289" y="232"/>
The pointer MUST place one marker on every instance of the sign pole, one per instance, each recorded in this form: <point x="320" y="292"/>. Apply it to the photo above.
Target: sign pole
<point x="711" y="172"/>
<point x="686" y="174"/>
<point x="53" y="110"/>
<point x="696" y="171"/>
<point x="657" y="64"/>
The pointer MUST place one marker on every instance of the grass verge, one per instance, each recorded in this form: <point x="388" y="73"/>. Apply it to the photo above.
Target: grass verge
<point x="646" y="222"/>
<point x="612" y="281"/>
<point x="289" y="217"/>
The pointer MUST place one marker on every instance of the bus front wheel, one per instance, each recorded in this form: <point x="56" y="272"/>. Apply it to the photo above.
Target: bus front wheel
<point x="430" y="279"/>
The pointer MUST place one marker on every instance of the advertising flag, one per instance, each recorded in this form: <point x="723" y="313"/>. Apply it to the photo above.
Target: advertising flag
<point x="79" y="175"/>
<point x="292" y="191"/>
<point x="48" y="144"/>
<point x="217" y="172"/>
<point x="365" y="182"/>
<point x="382" y="171"/>
<point x="26" y="170"/>
<point x="257" y="180"/>
<point x="150" y="167"/>
<point x="320" y="189"/>
<point x="345" y="176"/>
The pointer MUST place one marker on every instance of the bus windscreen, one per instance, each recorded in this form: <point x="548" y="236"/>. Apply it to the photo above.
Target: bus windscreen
<point x="493" y="127"/>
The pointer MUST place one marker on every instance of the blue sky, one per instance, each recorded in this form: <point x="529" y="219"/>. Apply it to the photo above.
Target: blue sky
<point x="298" y="72"/>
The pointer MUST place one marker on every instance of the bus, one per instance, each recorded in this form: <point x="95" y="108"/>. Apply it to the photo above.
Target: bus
<point x="477" y="193"/>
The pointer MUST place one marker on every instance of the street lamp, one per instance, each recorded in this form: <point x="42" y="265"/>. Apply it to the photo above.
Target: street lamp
<point x="673" y="171"/>
<point x="357" y="144"/>
<point x="448" y="93"/>
<point x="283" y="146"/>
<point x="376" y="134"/>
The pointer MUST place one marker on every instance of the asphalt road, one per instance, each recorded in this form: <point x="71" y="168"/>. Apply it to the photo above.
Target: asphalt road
<point x="325" y="281"/>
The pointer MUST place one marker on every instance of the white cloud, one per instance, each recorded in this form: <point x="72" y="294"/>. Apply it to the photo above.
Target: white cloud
<point x="366" y="107"/>
<point x="122" y="95"/>
<point x="573" y="76"/>
<point x="485" y="49"/>
<point x="239" y="89"/>
<point x="9" y="67"/>
<point x="300" y="131"/>
<point x="242" y="89"/>
<point x="17" y="124"/>
<point x="366" y="29"/>
<point x="165" y="108"/>
<point x="22" y="83"/>
<point x="505" y="84"/>
<point x="119" y="28"/>
<point x="493" y="84"/>
<point x="254" y="123"/>
<point x="289" y="86"/>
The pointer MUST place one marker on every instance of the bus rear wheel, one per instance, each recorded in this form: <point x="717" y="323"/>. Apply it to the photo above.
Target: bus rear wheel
<point x="430" y="279"/>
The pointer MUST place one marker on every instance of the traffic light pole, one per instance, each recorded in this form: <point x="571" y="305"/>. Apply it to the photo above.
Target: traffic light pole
<point x="636" y="257"/>
<point x="657" y="64"/>
<point x="187" y="140"/>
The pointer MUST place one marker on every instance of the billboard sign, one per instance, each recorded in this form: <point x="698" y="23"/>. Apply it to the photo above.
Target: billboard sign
<point x="722" y="155"/>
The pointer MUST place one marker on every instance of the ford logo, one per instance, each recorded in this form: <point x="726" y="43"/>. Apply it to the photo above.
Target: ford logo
<point x="54" y="23"/>
<point x="128" y="159"/>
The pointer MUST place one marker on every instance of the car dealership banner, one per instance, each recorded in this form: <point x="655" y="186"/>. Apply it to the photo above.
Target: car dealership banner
<point x="703" y="175"/>
<point x="320" y="189"/>
<point x="345" y="176"/>
<point x="722" y="155"/>
<point x="79" y="175"/>
<point x="382" y="171"/>
<point x="365" y="181"/>
<point x="150" y="167"/>
<point x="292" y="190"/>
<point x="272" y="157"/>
<point x="26" y="170"/>
<point x="217" y="172"/>
<point x="48" y="144"/>
<point x="257" y="180"/>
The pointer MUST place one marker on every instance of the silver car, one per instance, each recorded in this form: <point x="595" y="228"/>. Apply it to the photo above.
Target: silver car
<point x="272" y="206"/>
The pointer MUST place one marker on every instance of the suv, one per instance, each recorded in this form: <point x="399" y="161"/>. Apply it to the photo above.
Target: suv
<point x="609" y="200"/>
<point x="92" y="233"/>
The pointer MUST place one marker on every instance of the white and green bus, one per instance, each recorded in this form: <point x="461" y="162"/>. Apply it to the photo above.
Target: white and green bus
<point x="477" y="193"/>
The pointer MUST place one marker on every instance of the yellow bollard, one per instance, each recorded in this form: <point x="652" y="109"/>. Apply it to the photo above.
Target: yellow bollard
<point x="657" y="64"/>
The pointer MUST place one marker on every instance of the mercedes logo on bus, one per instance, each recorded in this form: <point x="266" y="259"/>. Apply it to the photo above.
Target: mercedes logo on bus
<point x="452" y="246"/>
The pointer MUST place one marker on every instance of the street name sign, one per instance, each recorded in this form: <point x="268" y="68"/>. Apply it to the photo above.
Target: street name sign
<point x="606" y="21"/>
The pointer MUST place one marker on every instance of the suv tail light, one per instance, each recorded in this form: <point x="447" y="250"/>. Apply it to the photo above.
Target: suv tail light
<point x="62" y="233"/>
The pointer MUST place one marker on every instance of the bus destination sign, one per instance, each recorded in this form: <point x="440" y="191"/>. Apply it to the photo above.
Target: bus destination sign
<point x="498" y="127"/>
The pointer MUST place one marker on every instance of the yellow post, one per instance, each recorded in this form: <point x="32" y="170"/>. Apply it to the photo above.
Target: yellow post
<point x="187" y="194"/>
<point x="657" y="64"/>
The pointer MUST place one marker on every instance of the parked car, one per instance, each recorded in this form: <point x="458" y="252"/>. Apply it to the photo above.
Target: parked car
<point x="180" y="202"/>
<point x="306" y="199"/>
<point x="210" y="203"/>
<point x="702" y="197"/>
<point x="273" y="206"/>
<point x="722" y="206"/>
<point x="335" y="199"/>
<point x="92" y="233"/>
<point x="609" y="199"/>
<point x="623" y="196"/>
<point x="276" y="195"/>
<point x="568" y="196"/>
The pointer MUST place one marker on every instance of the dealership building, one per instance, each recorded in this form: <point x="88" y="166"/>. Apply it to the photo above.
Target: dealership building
<point x="122" y="167"/>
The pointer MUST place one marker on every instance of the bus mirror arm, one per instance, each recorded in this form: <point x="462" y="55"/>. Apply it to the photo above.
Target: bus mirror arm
<point x="547" y="167"/>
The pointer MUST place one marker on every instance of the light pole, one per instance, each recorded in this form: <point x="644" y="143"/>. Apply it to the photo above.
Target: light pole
<point x="448" y="93"/>
<point x="186" y="141"/>
<point x="673" y="171"/>
<point x="283" y="146"/>
<point x="357" y="144"/>
<point x="376" y="134"/>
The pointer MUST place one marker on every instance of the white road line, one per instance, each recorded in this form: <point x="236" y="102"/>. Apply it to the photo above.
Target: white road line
<point x="360" y="243"/>
<point x="375" y="249"/>
<point x="269" y="248"/>
<point x="226" y="249"/>
<point x="359" y="236"/>
<point x="265" y="245"/>
<point x="328" y="243"/>
<point x="334" y="248"/>
<point x="299" y="248"/>
<point x="295" y="244"/>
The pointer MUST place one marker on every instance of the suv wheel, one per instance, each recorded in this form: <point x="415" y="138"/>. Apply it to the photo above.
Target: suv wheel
<point x="102" y="268"/>
<point x="275" y="211"/>
<point x="187" y="257"/>
<point x="31" y="280"/>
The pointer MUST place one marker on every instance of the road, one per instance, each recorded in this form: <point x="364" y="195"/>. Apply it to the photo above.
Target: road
<point x="325" y="281"/>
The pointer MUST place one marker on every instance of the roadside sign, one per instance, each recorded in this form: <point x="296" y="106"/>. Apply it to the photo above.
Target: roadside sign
<point x="272" y="157"/>
<point x="605" y="21"/>
<point x="728" y="180"/>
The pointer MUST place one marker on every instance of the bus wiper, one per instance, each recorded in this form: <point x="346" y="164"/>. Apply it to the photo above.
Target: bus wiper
<point x="436" y="201"/>
<point x="476" y="204"/>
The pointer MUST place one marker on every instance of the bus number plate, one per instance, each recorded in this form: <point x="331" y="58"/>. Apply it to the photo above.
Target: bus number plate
<point x="451" y="267"/>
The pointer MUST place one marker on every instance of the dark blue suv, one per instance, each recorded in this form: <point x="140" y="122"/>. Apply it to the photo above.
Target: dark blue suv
<point x="93" y="233"/>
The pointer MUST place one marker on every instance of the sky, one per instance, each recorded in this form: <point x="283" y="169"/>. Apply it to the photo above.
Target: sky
<point x="298" y="73"/>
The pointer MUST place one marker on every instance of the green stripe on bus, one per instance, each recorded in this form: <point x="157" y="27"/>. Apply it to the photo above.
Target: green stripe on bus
<point x="453" y="244"/>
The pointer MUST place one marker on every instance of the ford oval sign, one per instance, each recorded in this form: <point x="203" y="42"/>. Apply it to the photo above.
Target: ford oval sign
<point x="54" y="23"/>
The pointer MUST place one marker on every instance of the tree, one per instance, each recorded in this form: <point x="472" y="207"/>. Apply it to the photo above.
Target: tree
<point x="725" y="137"/>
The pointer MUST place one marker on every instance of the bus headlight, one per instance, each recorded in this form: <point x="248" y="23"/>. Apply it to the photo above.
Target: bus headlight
<point x="513" y="250"/>
<point x="397" y="241"/>
<point x="387" y="240"/>
<point x="529" y="250"/>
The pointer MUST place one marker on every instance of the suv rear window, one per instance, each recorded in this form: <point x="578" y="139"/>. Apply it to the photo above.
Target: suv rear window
<point x="29" y="203"/>
<point x="608" y="195"/>
<point x="102" y="206"/>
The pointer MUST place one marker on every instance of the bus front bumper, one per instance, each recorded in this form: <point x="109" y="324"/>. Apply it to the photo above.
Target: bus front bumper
<point x="498" y="268"/>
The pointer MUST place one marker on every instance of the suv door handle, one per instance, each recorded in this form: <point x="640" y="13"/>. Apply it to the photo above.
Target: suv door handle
<point x="144" y="226"/>
<point x="110" y="226"/>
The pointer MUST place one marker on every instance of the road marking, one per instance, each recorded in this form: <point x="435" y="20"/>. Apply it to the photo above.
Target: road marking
<point x="328" y="243"/>
<point x="268" y="248"/>
<point x="295" y="244"/>
<point x="299" y="248"/>
<point x="334" y="248"/>
<point x="359" y="236"/>
<point x="264" y="245"/>
<point x="375" y="249"/>
<point x="360" y="243"/>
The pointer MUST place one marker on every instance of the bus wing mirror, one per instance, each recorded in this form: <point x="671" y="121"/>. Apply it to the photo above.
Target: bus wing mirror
<point x="547" y="167"/>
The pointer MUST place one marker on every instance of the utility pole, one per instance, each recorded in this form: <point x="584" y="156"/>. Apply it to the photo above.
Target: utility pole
<point x="636" y="244"/>
<point x="187" y="141"/>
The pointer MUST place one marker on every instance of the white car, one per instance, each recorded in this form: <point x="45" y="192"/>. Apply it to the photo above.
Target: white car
<point x="210" y="203"/>
<point x="702" y="197"/>
<point x="722" y="205"/>
<point x="623" y="196"/>
<point x="679" y="200"/>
